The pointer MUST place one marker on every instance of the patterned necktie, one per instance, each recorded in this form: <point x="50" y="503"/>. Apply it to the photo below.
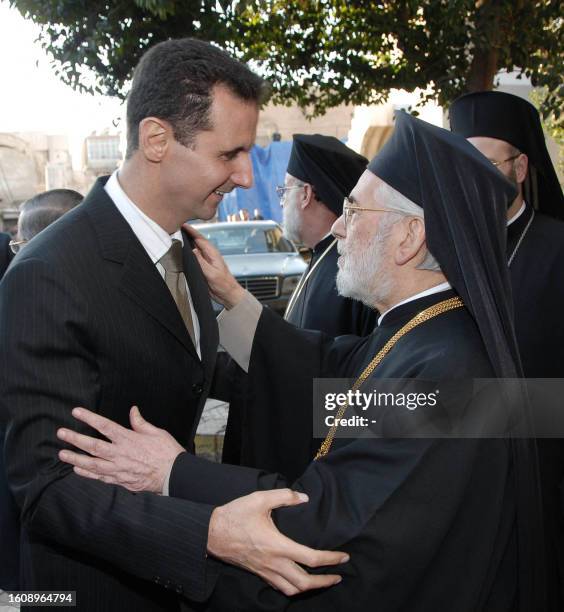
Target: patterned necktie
<point x="175" y="280"/>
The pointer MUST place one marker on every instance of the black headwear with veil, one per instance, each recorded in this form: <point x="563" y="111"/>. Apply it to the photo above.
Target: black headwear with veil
<point x="446" y="176"/>
<point x="501" y="115"/>
<point x="328" y="164"/>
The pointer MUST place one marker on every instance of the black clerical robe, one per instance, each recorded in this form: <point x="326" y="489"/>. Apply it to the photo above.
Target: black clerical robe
<point x="537" y="279"/>
<point x="320" y="307"/>
<point x="429" y="524"/>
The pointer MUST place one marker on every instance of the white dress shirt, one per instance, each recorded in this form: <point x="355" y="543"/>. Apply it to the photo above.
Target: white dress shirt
<point x="155" y="240"/>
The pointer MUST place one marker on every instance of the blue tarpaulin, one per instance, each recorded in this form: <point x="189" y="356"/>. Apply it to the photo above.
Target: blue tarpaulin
<point x="269" y="168"/>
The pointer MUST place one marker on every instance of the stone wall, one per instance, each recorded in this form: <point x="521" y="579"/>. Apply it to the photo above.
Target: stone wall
<point x="289" y="120"/>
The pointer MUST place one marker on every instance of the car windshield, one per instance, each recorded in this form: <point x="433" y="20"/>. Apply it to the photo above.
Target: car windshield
<point x="238" y="240"/>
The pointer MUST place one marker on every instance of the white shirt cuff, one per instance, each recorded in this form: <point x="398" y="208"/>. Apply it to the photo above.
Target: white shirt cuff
<point x="166" y="485"/>
<point x="237" y="329"/>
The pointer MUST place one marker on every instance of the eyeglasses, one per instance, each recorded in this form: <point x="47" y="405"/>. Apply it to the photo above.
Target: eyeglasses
<point x="349" y="209"/>
<point x="16" y="245"/>
<point x="281" y="190"/>
<point x="499" y="163"/>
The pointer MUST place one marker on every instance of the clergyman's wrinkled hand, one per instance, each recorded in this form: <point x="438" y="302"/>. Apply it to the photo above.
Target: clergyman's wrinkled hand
<point x="224" y="288"/>
<point x="138" y="459"/>
<point x="243" y="533"/>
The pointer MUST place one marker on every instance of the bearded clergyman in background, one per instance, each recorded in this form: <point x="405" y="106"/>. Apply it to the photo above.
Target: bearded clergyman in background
<point x="507" y="130"/>
<point x="321" y="173"/>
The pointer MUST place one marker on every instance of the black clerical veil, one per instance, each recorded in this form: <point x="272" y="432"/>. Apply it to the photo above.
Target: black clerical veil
<point x="496" y="114"/>
<point x="451" y="181"/>
<point x="464" y="199"/>
<point x="329" y="165"/>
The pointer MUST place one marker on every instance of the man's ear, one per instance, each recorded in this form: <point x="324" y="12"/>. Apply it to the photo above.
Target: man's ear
<point x="521" y="166"/>
<point x="154" y="138"/>
<point x="412" y="240"/>
<point x="307" y="196"/>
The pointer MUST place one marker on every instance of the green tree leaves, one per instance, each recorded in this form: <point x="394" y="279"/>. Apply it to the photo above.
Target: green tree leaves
<point x="318" y="53"/>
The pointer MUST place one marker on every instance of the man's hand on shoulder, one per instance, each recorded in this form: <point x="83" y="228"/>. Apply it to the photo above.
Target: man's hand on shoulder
<point x="243" y="533"/>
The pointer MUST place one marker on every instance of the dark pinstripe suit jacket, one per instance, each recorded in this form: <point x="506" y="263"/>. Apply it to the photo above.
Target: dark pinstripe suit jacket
<point x="86" y="319"/>
<point x="9" y="526"/>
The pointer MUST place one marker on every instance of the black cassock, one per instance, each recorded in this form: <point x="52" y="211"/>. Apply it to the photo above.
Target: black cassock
<point x="320" y="307"/>
<point x="537" y="279"/>
<point x="429" y="524"/>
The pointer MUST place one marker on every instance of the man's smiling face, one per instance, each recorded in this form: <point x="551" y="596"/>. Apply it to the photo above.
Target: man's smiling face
<point x="196" y="177"/>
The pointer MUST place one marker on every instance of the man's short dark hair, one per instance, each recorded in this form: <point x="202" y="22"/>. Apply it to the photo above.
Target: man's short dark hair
<point x="174" y="81"/>
<point x="43" y="209"/>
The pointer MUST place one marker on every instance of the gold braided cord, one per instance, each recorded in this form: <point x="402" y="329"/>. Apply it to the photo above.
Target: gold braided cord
<point x="421" y="317"/>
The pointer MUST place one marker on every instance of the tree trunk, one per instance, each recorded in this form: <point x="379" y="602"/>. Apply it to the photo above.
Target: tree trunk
<point x="482" y="70"/>
<point x="486" y="55"/>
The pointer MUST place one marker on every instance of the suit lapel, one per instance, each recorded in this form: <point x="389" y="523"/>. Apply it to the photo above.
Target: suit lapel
<point x="200" y="295"/>
<point x="140" y="279"/>
<point x="142" y="282"/>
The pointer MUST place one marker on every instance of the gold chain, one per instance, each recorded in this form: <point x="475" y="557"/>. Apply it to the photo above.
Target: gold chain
<point x="424" y="315"/>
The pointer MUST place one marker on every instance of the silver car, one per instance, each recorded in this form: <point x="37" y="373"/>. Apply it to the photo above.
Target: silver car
<point x="259" y="257"/>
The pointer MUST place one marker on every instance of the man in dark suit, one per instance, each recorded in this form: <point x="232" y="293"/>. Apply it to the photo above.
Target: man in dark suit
<point x="110" y="305"/>
<point x="37" y="213"/>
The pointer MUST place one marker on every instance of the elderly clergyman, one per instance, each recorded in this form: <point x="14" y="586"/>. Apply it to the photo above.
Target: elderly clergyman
<point x="430" y="524"/>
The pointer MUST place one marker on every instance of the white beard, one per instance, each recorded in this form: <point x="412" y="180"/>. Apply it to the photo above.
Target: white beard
<point x="291" y="223"/>
<point x="365" y="276"/>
